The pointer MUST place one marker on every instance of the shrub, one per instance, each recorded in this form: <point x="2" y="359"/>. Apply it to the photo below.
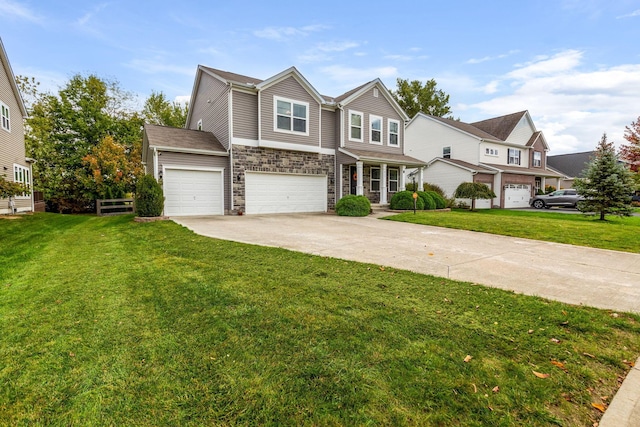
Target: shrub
<point x="441" y="202"/>
<point x="149" y="198"/>
<point x="351" y="205"/>
<point x="549" y="189"/>
<point x="403" y="200"/>
<point x="429" y="203"/>
<point x="410" y="186"/>
<point x="434" y="187"/>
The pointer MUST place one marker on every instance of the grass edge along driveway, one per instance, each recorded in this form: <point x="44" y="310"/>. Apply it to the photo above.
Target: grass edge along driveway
<point x="109" y="322"/>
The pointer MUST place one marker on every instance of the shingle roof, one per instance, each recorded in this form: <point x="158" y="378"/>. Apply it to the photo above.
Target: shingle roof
<point x="164" y="136"/>
<point x="479" y="168"/>
<point x="386" y="157"/>
<point x="465" y="127"/>
<point x="572" y="164"/>
<point x="525" y="171"/>
<point x="233" y="77"/>
<point x="500" y="127"/>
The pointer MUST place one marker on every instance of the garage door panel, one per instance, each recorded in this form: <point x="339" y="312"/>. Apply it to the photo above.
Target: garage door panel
<point x="285" y="193"/>
<point x="517" y="196"/>
<point x="193" y="192"/>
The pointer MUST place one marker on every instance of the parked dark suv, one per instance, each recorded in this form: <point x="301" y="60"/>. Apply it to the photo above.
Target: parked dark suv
<point x="565" y="198"/>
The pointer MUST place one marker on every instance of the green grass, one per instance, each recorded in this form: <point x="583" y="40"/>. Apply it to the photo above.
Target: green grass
<point x="109" y="322"/>
<point x="616" y="233"/>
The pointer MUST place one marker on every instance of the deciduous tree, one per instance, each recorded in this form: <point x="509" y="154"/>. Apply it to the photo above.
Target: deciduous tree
<point x="414" y="97"/>
<point x="607" y="183"/>
<point x="158" y="110"/>
<point x="473" y="191"/>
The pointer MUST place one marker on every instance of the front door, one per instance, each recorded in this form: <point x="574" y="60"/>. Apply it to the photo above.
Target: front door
<point x="353" y="180"/>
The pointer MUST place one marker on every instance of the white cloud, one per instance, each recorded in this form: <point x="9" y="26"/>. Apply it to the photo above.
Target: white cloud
<point x="18" y="10"/>
<point x="491" y="58"/>
<point x="182" y="99"/>
<point x="336" y="46"/>
<point x="84" y="19"/>
<point x="286" y="33"/>
<point x="630" y="15"/>
<point x="541" y="66"/>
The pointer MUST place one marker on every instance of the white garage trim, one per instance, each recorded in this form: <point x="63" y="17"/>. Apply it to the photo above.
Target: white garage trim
<point x="516" y="195"/>
<point x="267" y="192"/>
<point x="193" y="190"/>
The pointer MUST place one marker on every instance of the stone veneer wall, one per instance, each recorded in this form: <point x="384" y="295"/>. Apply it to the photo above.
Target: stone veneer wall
<point x="259" y="159"/>
<point x="373" y="196"/>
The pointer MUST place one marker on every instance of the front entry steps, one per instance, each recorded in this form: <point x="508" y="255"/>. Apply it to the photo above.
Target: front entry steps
<point x="379" y="207"/>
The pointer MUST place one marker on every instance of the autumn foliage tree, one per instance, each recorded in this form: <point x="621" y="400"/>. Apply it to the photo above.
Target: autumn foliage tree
<point x="631" y="153"/>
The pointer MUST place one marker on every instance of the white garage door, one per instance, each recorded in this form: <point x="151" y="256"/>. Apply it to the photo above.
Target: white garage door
<point x="517" y="196"/>
<point x="193" y="192"/>
<point x="283" y="193"/>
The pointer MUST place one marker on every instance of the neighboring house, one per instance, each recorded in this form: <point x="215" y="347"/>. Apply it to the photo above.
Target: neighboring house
<point x="14" y="165"/>
<point x="507" y="153"/>
<point x="571" y="166"/>
<point x="277" y="145"/>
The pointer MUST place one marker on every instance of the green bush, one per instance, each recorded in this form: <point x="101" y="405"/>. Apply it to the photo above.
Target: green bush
<point x="410" y="186"/>
<point x="429" y="203"/>
<point x="352" y="205"/>
<point x="441" y="202"/>
<point x="149" y="198"/>
<point x="403" y="200"/>
<point x="433" y="187"/>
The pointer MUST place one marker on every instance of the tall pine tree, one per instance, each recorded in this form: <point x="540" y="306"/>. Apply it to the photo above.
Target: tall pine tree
<point x="607" y="184"/>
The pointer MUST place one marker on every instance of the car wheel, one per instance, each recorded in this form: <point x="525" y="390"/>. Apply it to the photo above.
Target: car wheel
<point x="538" y="204"/>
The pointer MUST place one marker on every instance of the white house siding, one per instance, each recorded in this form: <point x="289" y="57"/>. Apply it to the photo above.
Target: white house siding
<point x="500" y="159"/>
<point x="447" y="177"/>
<point x="377" y="106"/>
<point x="329" y="135"/>
<point x="198" y="161"/>
<point x="212" y="107"/>
<point x="426" y="137"/>
<point x="289" y="88"/>
<point x="522" y="132"/>
<point x="245" y="113"/>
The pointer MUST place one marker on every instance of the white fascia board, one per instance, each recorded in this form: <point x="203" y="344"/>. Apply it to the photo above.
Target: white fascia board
<point x="279" y="145"/>
<point x="493" y="171"/>
<point x="4" y="59"/>
<point x="191" y="151"/>
<point x="292" y="71"/>
<point x="194" y="91"/>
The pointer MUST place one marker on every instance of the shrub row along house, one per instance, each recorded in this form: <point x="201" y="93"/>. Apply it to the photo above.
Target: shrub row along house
<point x="14" y="165"/>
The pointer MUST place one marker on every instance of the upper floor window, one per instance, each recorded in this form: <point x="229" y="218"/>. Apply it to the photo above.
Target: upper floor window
<point x="355" y="126"/>
<point x="446" y="152"/>
<point x="513" y="157"/>
<point x="491" y="151"/>
<point x="537" y="159"/>
<point x="375" y="179"/>
<point x="394" y="132"/>
<point x="376" y="129"/>
<point x="291" y="116"/>
<point x="4" y="110"/>
<point x="22" y="176"/>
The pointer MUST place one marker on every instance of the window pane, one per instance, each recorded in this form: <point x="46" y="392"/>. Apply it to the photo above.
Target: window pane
<point x="375" y="173"/>
<point x="299" y="125"/>
<point x="393" y="186"/>
<point x="393" y="139"/>
<point x="376" y="124"/>
<point x="284" y="122"/>
<point x="375" y="185"/>
<point x="356" y="120"/>
<point x="356" y="133"/>
<point x="284" y="108"/>
<point x="393" y="174"/>
<point x="393" y="127"/>
<point x="300" y="111"/>
<point x="375" y="136"/>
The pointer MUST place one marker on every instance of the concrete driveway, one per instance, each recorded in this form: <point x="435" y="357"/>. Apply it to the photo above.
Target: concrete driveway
<point x="571" y="274"/>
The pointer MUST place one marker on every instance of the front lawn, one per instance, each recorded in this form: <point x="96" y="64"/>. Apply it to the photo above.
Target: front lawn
<point x="618" y="234"/>
<point x="109" y="322"/>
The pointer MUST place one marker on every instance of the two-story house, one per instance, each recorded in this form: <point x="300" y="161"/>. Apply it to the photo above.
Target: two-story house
<point x="277" y="146"/>
<point x="507" y="153"/>
<point x="14" y="165"/>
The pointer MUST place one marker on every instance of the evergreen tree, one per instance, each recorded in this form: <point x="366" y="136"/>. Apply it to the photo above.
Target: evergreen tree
<point x="607" y="184"/>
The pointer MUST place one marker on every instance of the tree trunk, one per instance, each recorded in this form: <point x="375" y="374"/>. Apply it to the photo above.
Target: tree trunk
<point x="601" y="215"/>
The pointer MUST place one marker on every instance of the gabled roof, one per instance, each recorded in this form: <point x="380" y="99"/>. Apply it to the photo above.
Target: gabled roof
<point x="349" y="96"/>
<point x="500" y="127"/>
<point x="461" y="126"/>
<point x="524" y="171"/>
<point x="4" y="61"/>
<point x="375" y="156"/>
<point x="464" y="165"/>
<point x="572" y="165"/>
<point x="292" y="72"/>
<point x="229" y="77"/>
<point x="185" y="140"/>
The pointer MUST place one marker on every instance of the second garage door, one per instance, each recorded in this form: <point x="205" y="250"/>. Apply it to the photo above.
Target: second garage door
<point x="285" y="193"/>
<point x="517" y="196"/>
<point x="193" y="192"/>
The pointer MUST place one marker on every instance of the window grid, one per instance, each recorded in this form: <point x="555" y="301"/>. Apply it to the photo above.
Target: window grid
<point x="375" y="179"/>
<point x="5" y="114"/>
<point x="355" y="126"/>
<point x="375" y="124"/>
<point x="394" y="133"/>
<point x="513" y="156"/>
<point x="291" y="116"/>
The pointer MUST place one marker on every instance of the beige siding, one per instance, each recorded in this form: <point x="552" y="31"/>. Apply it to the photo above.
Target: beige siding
<point x="368" y="104"/>
<point x="198" y="160"/>
<point x="289" y="88"/>
<point x="522" y="132"/>
<point x="212" y="107"/>
<point x="329" y="134"/>
<point x="245" y="115"/>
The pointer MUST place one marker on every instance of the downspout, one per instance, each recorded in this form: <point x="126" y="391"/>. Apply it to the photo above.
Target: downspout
<point x="230" y="124"/>
<point x="155" y="163"/>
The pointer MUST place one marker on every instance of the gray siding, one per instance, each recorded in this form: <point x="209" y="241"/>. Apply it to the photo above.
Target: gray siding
<point x="245" y="115"/>
<point x="368" y="104"/>
<point x="198" y="160"/>
<point x="291" y="89"/>
<point x="214" y="114"/>
<point x="329" y="134"/>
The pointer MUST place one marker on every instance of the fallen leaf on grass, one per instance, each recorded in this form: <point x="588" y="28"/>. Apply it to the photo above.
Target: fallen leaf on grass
<point x="589" y="355"/>
<point x="555" y="340"/>
<point x="541" y="375"/>
<point x="626" y="362"/>
<point x="475" y="389"/>
<point x="495" y="389"/>
<point x="559" y="365"/>
<point x="599" y="406"/>
<point x="72" y="355"/>
<point x="530" y="331"/>
<point x="468" y="358"/>
<point x="381" y="268"/>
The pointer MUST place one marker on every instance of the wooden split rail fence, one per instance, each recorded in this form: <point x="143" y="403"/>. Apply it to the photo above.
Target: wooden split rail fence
<point x="115" y="207"/>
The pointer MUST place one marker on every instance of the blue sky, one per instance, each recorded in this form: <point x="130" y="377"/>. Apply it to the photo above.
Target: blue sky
<point x="574" y="64"/>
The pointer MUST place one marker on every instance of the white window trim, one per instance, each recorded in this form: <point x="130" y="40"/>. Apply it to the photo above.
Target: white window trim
<point x="291" y="101"/>
<point x="450" y="151"/>
<point x="371" y="179"/>
<point x="26" y="178"/>
<point x="493" y="152"/>
<point x="537" y="163"/>
<point x="397" y="180"/>
<point x="352" y="112"/>
<point x="389" y="133"/>
<point x="5" y="121"/>
<point x="373" y="118"/>
<point x="519" y="156"/>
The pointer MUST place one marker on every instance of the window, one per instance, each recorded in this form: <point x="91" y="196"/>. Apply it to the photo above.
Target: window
<point x="21" y="175"/>
<point x="491" y="151"/>
<point x="513" y="156"/>
<point x="355" y="126"/>
<point x="199" y="125"/>
<point x="393" y="180"/>
<point x="376" y="130"/>
<point x="394" y="132"/>
<point x="4" y="110"/>
<point x="291" y="116"/>
<point x="537" y="159"/>
<point x="446" y="152"/>
<point x="375" y="179"/>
